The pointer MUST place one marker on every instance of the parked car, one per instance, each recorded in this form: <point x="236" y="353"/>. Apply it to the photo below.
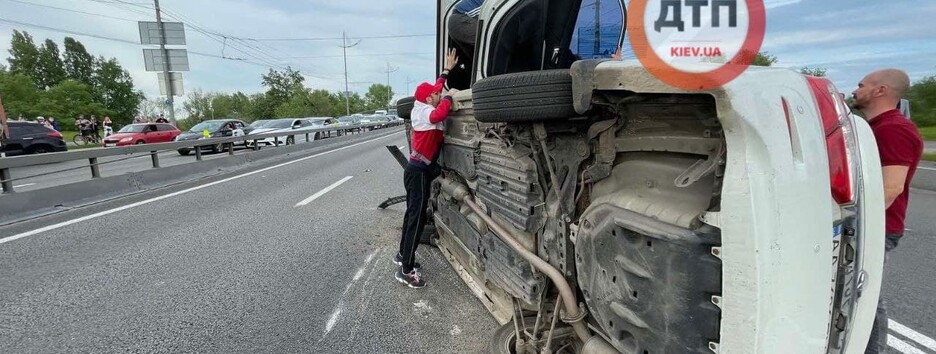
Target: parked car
<point x="145" y="133"/>
<point x="31" y="138"/>
<point x="660" y="220"/>
<point x="284" y="125"/>
<point x="215" y="128"/>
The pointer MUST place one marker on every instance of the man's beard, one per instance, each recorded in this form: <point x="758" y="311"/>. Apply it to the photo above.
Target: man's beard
<point x="856" y="104"/>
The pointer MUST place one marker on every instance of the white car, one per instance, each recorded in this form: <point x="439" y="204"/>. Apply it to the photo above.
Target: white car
<point x="284" y="125"/>
<point x="743" y="219"/>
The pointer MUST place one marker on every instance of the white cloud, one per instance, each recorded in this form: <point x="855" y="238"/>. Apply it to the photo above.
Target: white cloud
<point x="772" y="4"/>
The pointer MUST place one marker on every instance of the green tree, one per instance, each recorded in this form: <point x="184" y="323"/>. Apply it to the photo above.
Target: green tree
<point x="241" y="106"/>
<point x="922" y="97"/>
<point x="282" y="85"/>
<point x="113" y="88"/>
<point x="820" y="72"/>
<point x="325" y="103"/>
<point x="222" y="106"/>
<point x="764" y="59"/>
<point x="198" y="104"/>
<point x="50" y="69"/>
<point x="299" y="105"/>
<point x="378" y="97"/>
<point x="24" y="55"/>
<point x="19" y="95"/>
<point x="67" y="100"/>
<point x="79" y="65"/>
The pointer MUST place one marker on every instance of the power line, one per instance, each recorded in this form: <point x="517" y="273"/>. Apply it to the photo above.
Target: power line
<point x="119" y="40"/>
<point x="339" y="38"/>
<point x="71" y="10"/>
<point x="357" y="55"/>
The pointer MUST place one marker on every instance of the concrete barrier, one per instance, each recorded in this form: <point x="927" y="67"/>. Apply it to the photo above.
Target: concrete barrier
<point x="17" y="207"/>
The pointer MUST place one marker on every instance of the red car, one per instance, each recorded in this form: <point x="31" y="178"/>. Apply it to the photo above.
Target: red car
<point x="145" y="133"/>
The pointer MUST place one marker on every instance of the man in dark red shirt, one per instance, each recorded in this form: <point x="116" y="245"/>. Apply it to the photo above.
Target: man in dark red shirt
<point x="900" y="147"/>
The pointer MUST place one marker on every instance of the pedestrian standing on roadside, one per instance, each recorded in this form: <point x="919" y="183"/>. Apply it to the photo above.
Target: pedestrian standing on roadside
<point x="900" y="147"/>
<point x="430" y="110"/>
<point x="108" y="126"/>
<point x="95" y="127"/>
<point x="55" y="124"/>
<point x="4" y="130"/>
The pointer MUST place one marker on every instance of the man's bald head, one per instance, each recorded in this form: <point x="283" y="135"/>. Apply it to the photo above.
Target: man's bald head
<point x="896" y="80"/>
<point x="880" y="91"/>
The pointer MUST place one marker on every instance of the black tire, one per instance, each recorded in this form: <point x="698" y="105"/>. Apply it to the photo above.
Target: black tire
<point x="502" y="342"/>
<point x="140" y="142"/>
<point x="184" y="152"/>
<point x="79" y="140"/>
<point x="217" y="148"/>
<point x="290" y="140"/>
<point x="404" y="107"/>
<point x="524" y="97"/>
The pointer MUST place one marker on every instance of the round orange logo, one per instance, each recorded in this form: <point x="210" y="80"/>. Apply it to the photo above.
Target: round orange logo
<point x="694" y="54"/>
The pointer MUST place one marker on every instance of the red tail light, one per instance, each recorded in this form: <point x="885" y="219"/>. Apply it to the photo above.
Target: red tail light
<point x="56" y="135"/>
<point x="838" y="128"/>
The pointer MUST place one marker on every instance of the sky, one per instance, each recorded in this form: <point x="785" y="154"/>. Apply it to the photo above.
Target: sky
<point x="230" y="40"/>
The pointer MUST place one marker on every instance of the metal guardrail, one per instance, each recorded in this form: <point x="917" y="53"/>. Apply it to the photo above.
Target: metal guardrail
<point x="153" y="150"/>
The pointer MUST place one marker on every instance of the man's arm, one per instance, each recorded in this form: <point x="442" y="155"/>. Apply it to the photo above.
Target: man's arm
<point x="441" y="111"/>
<point x="894" y="179"/>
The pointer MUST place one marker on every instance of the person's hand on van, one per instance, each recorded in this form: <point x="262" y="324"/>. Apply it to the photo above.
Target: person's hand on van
<point x="451" y="59"/>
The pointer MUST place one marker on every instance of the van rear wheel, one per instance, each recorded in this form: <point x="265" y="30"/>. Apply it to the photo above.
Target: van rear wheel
<point x="524" y="97"/>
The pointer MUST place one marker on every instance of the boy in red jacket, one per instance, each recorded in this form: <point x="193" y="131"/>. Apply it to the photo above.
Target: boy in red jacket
<point x="428" y="120"/>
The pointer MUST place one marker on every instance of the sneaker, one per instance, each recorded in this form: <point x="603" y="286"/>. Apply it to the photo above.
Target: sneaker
<point x="412" y="279"/>
<point x="398" y="260"/>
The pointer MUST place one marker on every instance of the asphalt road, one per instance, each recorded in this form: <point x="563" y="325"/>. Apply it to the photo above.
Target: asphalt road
<point x="237" y="267"/>
<point x="909" y="283"/>
<point x="232" y="264"/>
<point x="75" y="171"/>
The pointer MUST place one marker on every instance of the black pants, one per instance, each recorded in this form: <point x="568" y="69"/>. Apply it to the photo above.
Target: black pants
<point x="877" y="343"/>
<point x="417" y="179"/>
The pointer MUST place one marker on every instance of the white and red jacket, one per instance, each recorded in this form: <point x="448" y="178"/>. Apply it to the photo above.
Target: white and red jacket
<point x="428" y="128"/>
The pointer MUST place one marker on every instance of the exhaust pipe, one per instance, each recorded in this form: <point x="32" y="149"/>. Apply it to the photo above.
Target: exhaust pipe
<point x="460" y="193"/>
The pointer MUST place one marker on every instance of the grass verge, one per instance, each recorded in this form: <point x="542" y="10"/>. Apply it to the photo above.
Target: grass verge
<point x="928" y="133"/>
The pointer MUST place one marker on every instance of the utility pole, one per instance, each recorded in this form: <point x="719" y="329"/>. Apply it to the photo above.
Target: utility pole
<point x="389" y="97"/>
<point x="166" y="62"/>
<point x="408" y="82"/>
<point x="344" y="53"/>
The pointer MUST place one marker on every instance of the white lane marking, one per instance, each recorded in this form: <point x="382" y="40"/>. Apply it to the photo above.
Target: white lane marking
<point x="333" y="319"/>
<point x="25" y="185"/>
<point x="173" y="194"/>
<point x="902" y="346"/>
<point x="322" y="192"/>
<point x="911" y="334"/>
<point x="926" y="168"/>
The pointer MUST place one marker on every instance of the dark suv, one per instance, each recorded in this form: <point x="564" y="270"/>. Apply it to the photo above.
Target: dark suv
<point x="32" y="138"/>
